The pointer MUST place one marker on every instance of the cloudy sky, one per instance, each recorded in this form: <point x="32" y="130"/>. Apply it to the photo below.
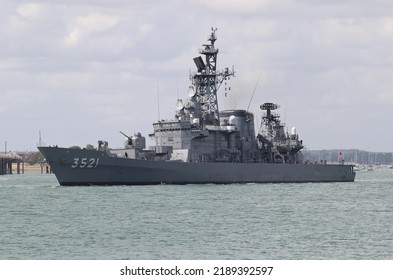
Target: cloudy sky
<point x="80" y="71"/>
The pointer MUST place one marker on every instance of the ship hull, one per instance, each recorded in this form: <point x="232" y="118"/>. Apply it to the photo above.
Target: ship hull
<point x="74" y="167"/>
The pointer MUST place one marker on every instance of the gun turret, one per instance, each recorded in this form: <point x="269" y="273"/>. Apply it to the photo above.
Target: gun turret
<point x="135" y="142"/>
<point x="128" y="137"/>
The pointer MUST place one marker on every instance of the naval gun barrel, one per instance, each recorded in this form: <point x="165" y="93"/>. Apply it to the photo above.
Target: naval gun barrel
<point x="128" y="137"/>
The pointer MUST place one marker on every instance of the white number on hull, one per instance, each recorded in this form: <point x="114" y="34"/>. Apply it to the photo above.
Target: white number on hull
<point x="85" y="163"/>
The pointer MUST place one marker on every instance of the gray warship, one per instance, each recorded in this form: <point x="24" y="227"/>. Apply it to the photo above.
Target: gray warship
<point x="200" y="145"/>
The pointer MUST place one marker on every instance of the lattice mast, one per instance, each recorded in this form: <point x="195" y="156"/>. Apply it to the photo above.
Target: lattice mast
<point x="207" y="81"/>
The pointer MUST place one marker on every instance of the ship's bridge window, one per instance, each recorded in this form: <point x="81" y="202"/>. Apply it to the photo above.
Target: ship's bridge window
<point x="173" y="129"/>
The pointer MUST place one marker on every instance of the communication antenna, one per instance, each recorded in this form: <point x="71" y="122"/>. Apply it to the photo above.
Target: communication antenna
<point x="177" y="86"/>
<point x="255" y="88"/>
<point x="158" y="98"/>
<point x="40" y="143"/>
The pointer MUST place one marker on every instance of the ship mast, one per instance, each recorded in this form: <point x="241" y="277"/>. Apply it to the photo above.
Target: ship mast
<point x="207" y="81"/>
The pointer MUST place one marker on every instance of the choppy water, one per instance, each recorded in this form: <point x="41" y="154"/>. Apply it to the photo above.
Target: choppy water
<point x="41" y="220"/>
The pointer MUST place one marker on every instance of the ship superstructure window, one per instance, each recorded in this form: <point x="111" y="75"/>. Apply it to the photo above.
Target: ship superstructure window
<point x="173" y="129"/>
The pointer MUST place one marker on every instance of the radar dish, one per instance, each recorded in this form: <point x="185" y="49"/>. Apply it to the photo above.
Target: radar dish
<point x="191" y="91"/>
<point x="269" y="106"/>
<point x="179" y="105"/>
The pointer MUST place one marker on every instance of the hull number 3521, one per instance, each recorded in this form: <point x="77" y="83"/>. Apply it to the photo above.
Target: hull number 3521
<point x="85" y="163"/>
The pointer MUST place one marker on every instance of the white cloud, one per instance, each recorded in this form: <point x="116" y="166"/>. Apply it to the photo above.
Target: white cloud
<point x="249" y="7"/>
<point x="83" y="26"/>
<point x="30" y="11"/>
<point x="388" y="25"/>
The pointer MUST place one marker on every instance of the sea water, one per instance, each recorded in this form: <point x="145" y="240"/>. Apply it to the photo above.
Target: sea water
<point x="41" y="220"/>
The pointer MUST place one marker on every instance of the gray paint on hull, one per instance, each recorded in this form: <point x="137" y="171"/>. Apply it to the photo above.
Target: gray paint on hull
<point x="122" y="171"/>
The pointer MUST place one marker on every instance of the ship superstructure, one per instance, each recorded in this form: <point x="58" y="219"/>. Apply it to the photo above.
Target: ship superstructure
<point x="201" y="133"/>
